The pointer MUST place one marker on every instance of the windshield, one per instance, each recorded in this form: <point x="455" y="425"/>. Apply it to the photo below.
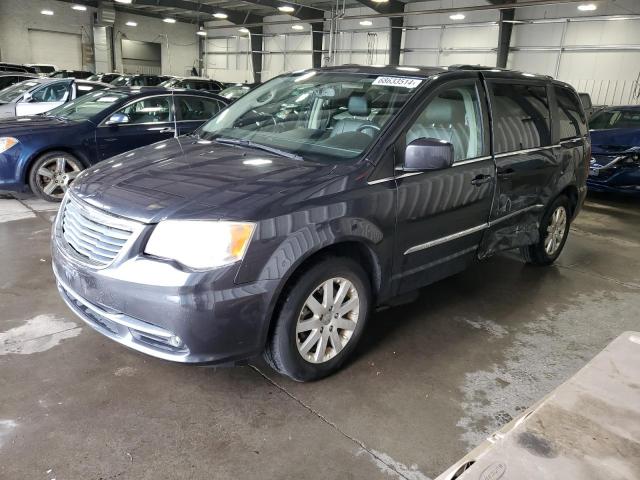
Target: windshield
<point x="121" y="81"/>
<point x="169" y="83"/>
<point x="324" y="116"/>
<point x="17" y="90"/>
<point x="87" y="106"/>
<point x="607" y="119"/>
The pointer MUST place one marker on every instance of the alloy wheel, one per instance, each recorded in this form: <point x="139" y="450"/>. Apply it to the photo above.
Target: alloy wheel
<point x="54" y="175"/>
<point x="327" y="320"/>
<point x="555" y="230"/>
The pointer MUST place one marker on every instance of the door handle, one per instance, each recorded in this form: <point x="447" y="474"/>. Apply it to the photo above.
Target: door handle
<point x="481" y="180"/>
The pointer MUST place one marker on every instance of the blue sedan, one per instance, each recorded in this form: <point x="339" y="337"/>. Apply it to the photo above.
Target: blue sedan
<point x="47" y="152"/>
<point x="615" y="143"/>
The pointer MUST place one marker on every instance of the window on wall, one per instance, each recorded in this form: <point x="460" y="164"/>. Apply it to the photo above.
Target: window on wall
<point x="520" y="116"/>
<point x="571" y="120"/>
<point x="454" y="116"/>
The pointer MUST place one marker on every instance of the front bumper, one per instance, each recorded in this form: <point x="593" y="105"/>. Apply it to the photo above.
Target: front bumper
<point x="157" y="308"/>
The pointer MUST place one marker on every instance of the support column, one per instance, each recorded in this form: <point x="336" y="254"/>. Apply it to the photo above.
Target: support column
<point x="317" y="35"/>
<point x="256" y="53"/>
<point x="504" y="37"/>
<point x="395" y="40"/>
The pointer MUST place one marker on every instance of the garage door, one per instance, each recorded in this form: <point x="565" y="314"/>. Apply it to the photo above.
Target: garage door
<point x="61" y="49"/>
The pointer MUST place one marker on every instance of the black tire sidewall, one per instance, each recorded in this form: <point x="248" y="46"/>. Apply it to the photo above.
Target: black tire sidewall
<point x="33" y="182"/>
<point x="289" y="358"/>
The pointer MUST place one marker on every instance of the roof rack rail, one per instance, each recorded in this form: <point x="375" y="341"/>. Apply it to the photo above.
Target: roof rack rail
<point x="482" y="67"/>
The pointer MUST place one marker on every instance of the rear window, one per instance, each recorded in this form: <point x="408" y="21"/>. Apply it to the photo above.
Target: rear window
<point x="571" y="119"/>
<point x="520" y="116"/>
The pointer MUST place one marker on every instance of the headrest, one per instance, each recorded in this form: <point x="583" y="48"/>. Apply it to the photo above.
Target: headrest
<point x="440" y="111"/>
<point x="359" y="105"/>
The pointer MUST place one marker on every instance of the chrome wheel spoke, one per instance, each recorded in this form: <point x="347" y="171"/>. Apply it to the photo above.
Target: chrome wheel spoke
<point x="348" y="306"/>
<point x="315" y="306"/>
<point x="311" y="340"/>
<point x="306" y="325"/>
<point x="61" y="164"/>
<point x="73" y="174"/>
<point x="555" y="230"/>
<point x="327" y="294"/>
<point x="336" y="341"/>
<point x="45" y="172"/>
<point x="345" y="324"/>
<point x="50" y="188"/>
<point x="321" y="348"/>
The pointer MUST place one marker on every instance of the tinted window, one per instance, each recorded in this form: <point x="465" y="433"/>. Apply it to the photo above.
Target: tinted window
<point x="10" y="80"/>
<point x="571" y="120"/>
<point x="196" y="108"/>
<point x="520" y="117"/>
<point x="615" y="119"/>
<point x="54" y="92"/>
<point x="149" y="110"/>
<point x="454" y="116"/>
<point x="196" y="85"/>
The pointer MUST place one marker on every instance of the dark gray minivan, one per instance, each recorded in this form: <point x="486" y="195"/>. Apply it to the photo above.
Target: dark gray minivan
<point x="285" y="220"/>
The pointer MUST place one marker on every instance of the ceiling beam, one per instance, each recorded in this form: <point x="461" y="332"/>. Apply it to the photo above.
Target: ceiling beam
<point x="235" y="17"/>
<point x="301" y="12"/>
<point x="392" y="6"/>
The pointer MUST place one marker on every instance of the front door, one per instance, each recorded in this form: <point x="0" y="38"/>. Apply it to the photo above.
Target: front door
<point x="149" y="120"/>
<point x="526" y="163"/>
<point x="442" y="214"/>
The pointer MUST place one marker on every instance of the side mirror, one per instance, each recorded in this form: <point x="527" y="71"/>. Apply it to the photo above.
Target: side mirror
<point x="117" y="119"/>
<point x="27" y="97"/>
<point x="428" y="154"/>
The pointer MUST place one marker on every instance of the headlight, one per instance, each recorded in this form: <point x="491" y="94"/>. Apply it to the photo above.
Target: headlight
<point x="200" y="244"/>
<point x="6" y="143"/>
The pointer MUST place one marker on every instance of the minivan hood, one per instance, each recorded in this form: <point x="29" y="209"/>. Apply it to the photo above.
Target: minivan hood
<point x="189" y="178"/>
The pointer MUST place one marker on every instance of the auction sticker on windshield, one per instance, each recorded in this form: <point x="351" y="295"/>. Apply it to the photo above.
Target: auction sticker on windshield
<point x="398" y="82"/>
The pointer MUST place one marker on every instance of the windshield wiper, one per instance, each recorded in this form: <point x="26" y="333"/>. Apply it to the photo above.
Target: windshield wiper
<point x="250" y="144"/>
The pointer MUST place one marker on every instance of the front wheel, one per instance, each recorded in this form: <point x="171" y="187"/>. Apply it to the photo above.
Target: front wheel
<point x="554" y="229"/>
<point x="320" y="321"/>
<point x="52" y="173"/>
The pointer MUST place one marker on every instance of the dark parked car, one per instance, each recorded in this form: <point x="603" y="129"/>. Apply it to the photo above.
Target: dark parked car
<point x="136" y="81"/>
<point x="282" y="222"/>
<point x="14" y="67"/>
<point x="615" y="162"/>
<point x="104" y="77"/>
<point x="9" y="78"/>
<point x="193" y="83"/>
<point x="80" y="74"/>
<point x="47" y="152"/>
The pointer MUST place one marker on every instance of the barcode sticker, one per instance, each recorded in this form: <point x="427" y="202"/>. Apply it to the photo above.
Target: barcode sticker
<point x="403" y="82"/>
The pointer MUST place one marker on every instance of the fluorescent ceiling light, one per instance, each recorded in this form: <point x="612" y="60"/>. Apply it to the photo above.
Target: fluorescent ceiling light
<point x="379" y="1"/>
<point x="587" y="7"/>
<point x="123" y="1"/>
<point x="131" y="24"/>
<point x="201" y="33"/>
<point x="286" y="9"/>
<point x="297" y="27"/>
<point x="80" y="8"/>
<point x="366" y="23"/>
<point x="243" y="30"/>
<point x="169" y="20"/>
<point x="220" y="15"/>
<point x="457" y="16"/>
<point x="46" y="12"/>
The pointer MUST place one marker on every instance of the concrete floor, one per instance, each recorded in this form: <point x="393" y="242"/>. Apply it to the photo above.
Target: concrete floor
<point x="432" y="379"/>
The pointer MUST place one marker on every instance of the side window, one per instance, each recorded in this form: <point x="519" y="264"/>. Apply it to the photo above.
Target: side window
<point x="454" y="116"/>
<point x="196" y="108"/>
<point x="137" y="81"/>
<point x="571" y="120"/>
<point x="520" y="117"/>
<point x="54" y="92"/>
<point x="149" y="110"/>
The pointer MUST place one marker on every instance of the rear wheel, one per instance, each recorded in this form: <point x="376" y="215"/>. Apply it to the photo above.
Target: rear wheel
<point x="320" y="320"/>
<point x="554" y="229"/>
<point x="52" y="173"/>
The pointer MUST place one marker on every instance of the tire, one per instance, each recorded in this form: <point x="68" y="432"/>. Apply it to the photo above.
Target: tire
<point x="553" y="234"/>
<point x="61" y="169"/>
<point x="298" y="353"/>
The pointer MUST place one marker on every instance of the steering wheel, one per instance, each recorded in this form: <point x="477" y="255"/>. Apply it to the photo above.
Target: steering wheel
<point x="368" y="125"/>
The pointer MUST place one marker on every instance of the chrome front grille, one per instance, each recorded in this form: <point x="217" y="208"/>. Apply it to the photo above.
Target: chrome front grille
<point x="95" y="237"/>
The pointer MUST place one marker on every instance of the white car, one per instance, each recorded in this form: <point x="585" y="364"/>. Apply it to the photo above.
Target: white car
<point x="39" y="95"/>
